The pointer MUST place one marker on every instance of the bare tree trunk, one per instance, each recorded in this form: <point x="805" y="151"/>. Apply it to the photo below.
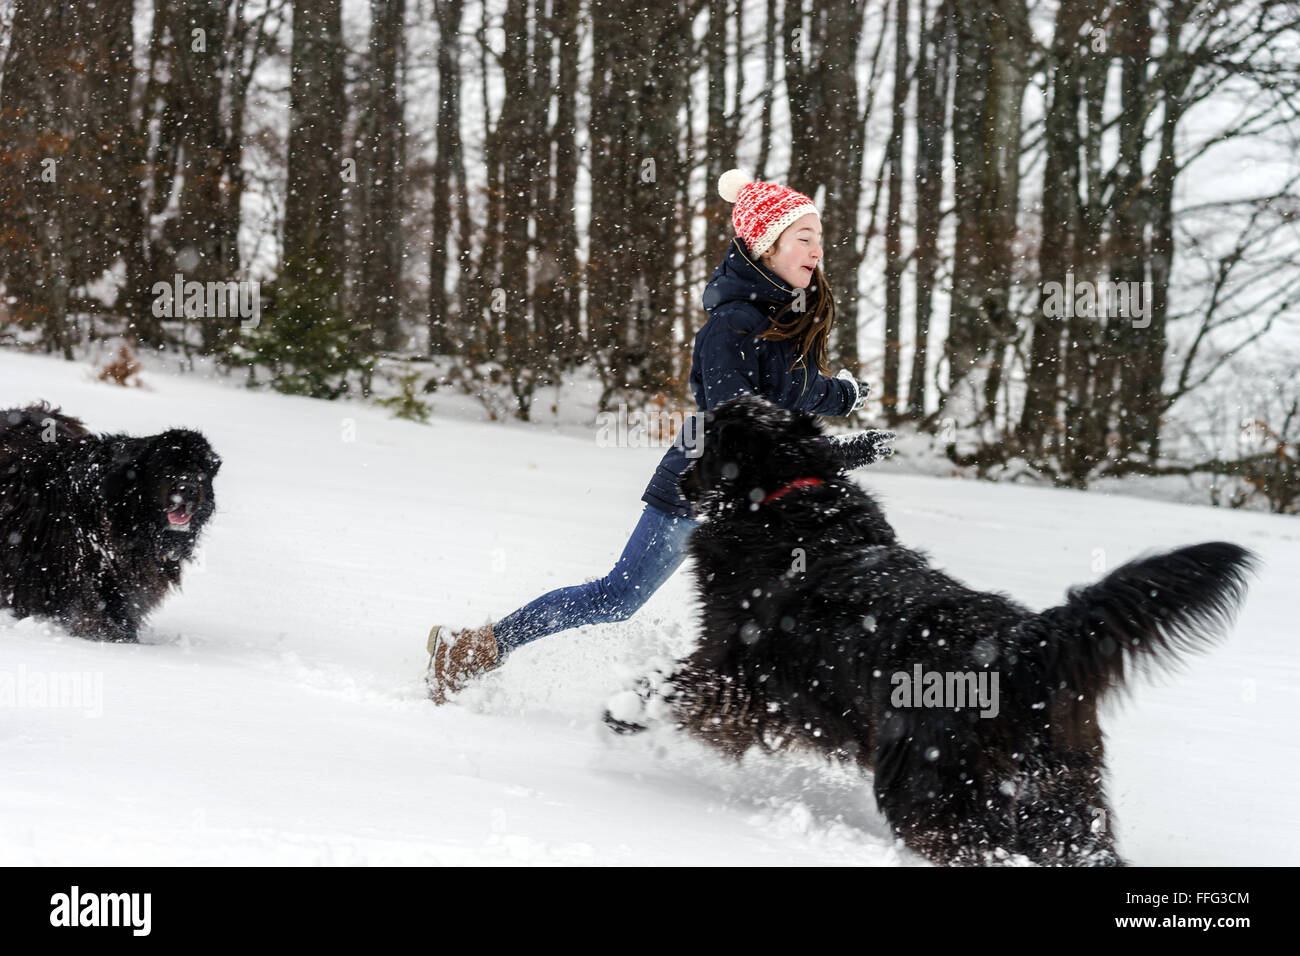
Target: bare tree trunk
<point x="483" y="324"/>
<point x="1093" y="342"/>
<point x="963" y="348"/>
<point x="893" y="224"/>
<point x="514" y="282"/>
<point x="637" y="93"/>
<point x="770" y="43"/>
<point x="557" y="237"/>
<point x="1131" y="340"/>
<point x="380" y="269"/>
<point x="989" y="84"/>
<point x="568" y="17"/>
<point x="1061" y="225"/>
<point x="447" y="14"/>
<point x="200" y="242"/>
<point x="312" y="216"/>
<point x="803" y="40"/>
<point x="841" y="170"/>
<point x="1148" y="381"/>
<point x="932" y="71"/>
<point x="825" y="134"/>
<point x="719" y="140"/>
<point x="688" y="316"/>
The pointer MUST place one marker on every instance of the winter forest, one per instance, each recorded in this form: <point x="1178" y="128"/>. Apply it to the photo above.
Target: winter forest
<point x="339" y="340"/>
<point x="1064" y="236"/>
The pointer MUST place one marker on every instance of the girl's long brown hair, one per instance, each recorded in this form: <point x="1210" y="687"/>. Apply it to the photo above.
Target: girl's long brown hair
<point x="810" y="327"/>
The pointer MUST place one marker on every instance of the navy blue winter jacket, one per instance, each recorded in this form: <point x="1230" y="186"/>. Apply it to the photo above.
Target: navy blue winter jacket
<point x="741" y="298"/>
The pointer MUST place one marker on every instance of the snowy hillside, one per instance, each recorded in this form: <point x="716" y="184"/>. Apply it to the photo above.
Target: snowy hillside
<point x="276" y="714"/>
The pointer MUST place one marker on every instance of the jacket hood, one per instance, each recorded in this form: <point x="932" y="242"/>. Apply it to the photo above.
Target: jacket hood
<point x="740" y="276"/>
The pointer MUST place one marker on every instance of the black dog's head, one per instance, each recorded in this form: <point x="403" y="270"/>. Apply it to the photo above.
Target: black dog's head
<point x="164" y="485"/>
<point x="750" y="448"/>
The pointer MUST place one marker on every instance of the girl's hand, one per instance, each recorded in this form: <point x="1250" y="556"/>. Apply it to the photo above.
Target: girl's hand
<point x="863" y="448"/>
<point x="860" y="389"/>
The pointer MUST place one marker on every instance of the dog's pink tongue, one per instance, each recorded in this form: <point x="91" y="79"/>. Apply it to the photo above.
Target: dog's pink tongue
<point x="178" y="517"/>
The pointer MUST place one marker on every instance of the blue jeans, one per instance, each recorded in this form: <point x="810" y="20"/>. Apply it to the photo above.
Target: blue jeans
<point x="655" y="550"/>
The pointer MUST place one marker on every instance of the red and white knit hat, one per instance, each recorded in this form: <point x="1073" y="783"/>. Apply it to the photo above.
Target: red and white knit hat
<point x="763" y="210"/>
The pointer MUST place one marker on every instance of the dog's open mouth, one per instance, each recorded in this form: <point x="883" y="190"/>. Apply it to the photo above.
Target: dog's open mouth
<point x="178" y="516"/>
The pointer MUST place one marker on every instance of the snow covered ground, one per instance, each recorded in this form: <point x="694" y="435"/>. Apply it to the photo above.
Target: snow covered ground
<point x="276" y="713"/>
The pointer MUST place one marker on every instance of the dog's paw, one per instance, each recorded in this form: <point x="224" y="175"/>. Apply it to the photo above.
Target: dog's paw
<point x="645" y="704"/>
<point x="623" y="713"/>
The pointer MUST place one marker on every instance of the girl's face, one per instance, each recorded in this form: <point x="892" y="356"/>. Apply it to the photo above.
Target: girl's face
<point x="797" y="251"/>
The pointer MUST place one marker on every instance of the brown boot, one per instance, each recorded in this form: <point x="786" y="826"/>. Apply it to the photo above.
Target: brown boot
<point x="457" y="656"/>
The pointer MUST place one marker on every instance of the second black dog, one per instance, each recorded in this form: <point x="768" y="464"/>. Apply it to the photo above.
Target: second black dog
<point x="95" y="529"/>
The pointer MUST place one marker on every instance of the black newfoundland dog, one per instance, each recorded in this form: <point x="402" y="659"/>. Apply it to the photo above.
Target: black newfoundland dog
<point x="977" y="716"/>
<point x="95" y="528"/>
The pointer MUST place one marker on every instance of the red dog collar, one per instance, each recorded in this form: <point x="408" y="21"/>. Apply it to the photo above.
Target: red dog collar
<point x="791" y="486"/>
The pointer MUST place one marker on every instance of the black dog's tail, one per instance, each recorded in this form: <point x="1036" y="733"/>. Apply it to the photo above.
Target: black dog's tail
<point x="34" y="419"/>
<point x="1147" y="611"/>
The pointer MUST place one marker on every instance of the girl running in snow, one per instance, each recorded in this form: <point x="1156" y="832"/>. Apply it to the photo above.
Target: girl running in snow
<point x="770" y="313"/>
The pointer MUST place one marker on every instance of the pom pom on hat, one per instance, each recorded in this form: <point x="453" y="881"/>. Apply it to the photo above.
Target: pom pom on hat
<point x="762" y="210"/>
<point x="731" y="182"/>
